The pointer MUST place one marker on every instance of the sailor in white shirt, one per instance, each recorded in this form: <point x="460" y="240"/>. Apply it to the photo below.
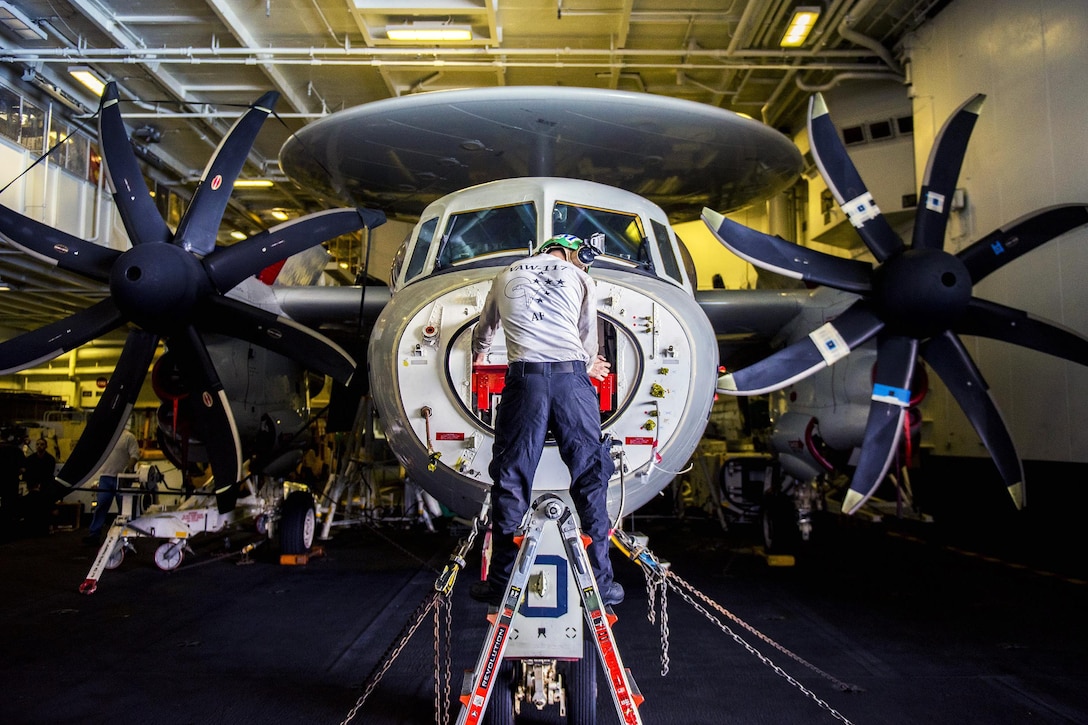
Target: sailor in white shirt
<point x="547" y="307"/>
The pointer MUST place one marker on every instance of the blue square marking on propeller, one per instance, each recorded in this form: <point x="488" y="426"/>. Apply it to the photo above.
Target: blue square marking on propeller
<point x="935" y="202"/>
<point x="890" y="394"/>
<point x="997" y="247"/>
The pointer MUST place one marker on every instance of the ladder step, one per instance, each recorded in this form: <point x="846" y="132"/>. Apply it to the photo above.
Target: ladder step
<point x="466" y="687"/>
<point x="636" y="694"/>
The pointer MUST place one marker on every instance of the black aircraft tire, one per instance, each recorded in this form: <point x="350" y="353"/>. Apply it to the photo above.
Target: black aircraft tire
<point x="581" y="683"/>
<point x="297" y="523"/>
<point x="500" y="706"/>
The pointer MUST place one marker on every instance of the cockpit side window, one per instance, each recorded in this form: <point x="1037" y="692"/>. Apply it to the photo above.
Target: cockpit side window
<point x="664" y="248"/>
<point x="423" y="245"/>
<point x="481" y="232"/>
<point x="615" y="234"/>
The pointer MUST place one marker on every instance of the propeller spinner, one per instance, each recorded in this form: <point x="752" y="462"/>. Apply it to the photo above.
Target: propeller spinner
<point x="172" y="287"/>
<point x="915" y="301"/>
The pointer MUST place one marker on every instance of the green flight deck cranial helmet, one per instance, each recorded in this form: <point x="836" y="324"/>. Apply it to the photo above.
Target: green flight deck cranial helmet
<point x="577" y="251"/>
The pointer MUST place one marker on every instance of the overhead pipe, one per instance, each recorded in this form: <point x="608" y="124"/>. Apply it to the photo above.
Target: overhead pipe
<point x="744" y="25"/>
<point x="874" y="76"/>
<point x="324" y="55"/>
<point x="846" y="30"/>
<point x="840" y="15"/>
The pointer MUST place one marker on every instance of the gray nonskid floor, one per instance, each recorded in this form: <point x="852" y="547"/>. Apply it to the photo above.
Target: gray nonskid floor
<point x="919" y="631"/>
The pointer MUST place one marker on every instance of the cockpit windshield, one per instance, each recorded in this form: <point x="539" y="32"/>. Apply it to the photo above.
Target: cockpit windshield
<point x="613" y="233"/>
<point x="483" y="232"/>
<point x="486" y="231"/>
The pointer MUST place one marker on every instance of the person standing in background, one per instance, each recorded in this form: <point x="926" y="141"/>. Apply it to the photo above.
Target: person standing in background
<point x="121" y="460"/>
<point x="11" y="465"/>
<point x="39" y="467"/>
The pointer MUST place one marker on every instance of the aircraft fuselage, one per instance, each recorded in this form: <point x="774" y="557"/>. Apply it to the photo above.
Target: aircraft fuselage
<point x="437" y="409"/>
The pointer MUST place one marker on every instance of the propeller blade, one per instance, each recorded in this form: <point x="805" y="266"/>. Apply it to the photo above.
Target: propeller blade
<point x="55" y="247"/>
<point x="788" y="259"/>
<point x="845" y="183"/>
<point x="824" y="346"/>
<point x="134" y="203"/>
<point x="998" y="322"/>
<point x="949" y="359"/>
<point x="228" y="266"/>
<point x="280" y="335"/>
<point x="46" y="343"/>
<point x="895" y="359"/>
<point x="214" y="419"/>
<point x="1019" y="237"/>
<point x="200" y="223"/>
<point x="942" y="171"/>
<point x="110" y="415"/>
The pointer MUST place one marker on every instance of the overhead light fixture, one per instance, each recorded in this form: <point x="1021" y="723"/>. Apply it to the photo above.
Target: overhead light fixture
<point x="279" y="215"/>
<point x="14" y="20"/>
<point x="801" y="24"/>
<point x="88" y="78"/>
<point x="253" y="184"/>
<point x="238" y="235"/>
<point x="32" y="76"/>
<point x="428" y="32"/>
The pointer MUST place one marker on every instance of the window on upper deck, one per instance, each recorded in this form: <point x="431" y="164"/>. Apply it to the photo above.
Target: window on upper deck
<point x="472" y="234"/>
<point x="423" y="245"/>
<point x="664" y="248"/>
<point x="624" y="237"/>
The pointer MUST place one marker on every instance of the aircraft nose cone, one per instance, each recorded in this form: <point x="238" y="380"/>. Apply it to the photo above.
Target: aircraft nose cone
<point x="156" y="285"/>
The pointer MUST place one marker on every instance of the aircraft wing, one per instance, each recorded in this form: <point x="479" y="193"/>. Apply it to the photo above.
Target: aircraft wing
<point x="748" y="322"/>
<point x="332" y="308"/>
<point x="751" y="314"/>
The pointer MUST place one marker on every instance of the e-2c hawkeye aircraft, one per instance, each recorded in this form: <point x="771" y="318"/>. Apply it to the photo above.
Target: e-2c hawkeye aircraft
<point x="538" y="158"/>
<point x="487" y="173"/>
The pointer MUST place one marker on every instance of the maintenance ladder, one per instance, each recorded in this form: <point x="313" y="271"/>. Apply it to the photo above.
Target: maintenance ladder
<point x="480" y="682"/>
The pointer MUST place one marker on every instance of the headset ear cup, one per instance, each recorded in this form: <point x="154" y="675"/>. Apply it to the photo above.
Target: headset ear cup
<point x="586" y="254"/>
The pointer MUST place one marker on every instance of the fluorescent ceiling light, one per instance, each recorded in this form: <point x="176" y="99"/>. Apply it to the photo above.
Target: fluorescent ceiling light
<point x="89" y="78"/>
<point x="279" y="215"/>
<point x="428" y="32"/>
<point x="801" y="24"/>
<point x="253" y="184"/>
<point x="14" y="20"/>
<point x="237" y="235"/>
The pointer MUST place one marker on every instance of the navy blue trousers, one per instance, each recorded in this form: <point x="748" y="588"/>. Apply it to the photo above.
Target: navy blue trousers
<point x="533" y="403"/>
<point x="107" y="492"/>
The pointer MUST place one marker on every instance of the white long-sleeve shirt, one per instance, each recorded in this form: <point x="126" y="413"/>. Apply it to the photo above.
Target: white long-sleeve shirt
<point x="547" y="308"/>
<point x="124" y="452"/>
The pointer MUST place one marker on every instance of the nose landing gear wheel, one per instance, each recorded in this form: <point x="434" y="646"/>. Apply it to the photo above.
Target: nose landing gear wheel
<point x="500" y="709"/>
<point x="581" y="682"/>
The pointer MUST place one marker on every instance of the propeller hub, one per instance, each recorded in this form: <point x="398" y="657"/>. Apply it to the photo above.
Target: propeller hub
<point x="922" y="291"/>
<point x="156" y="286"/>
